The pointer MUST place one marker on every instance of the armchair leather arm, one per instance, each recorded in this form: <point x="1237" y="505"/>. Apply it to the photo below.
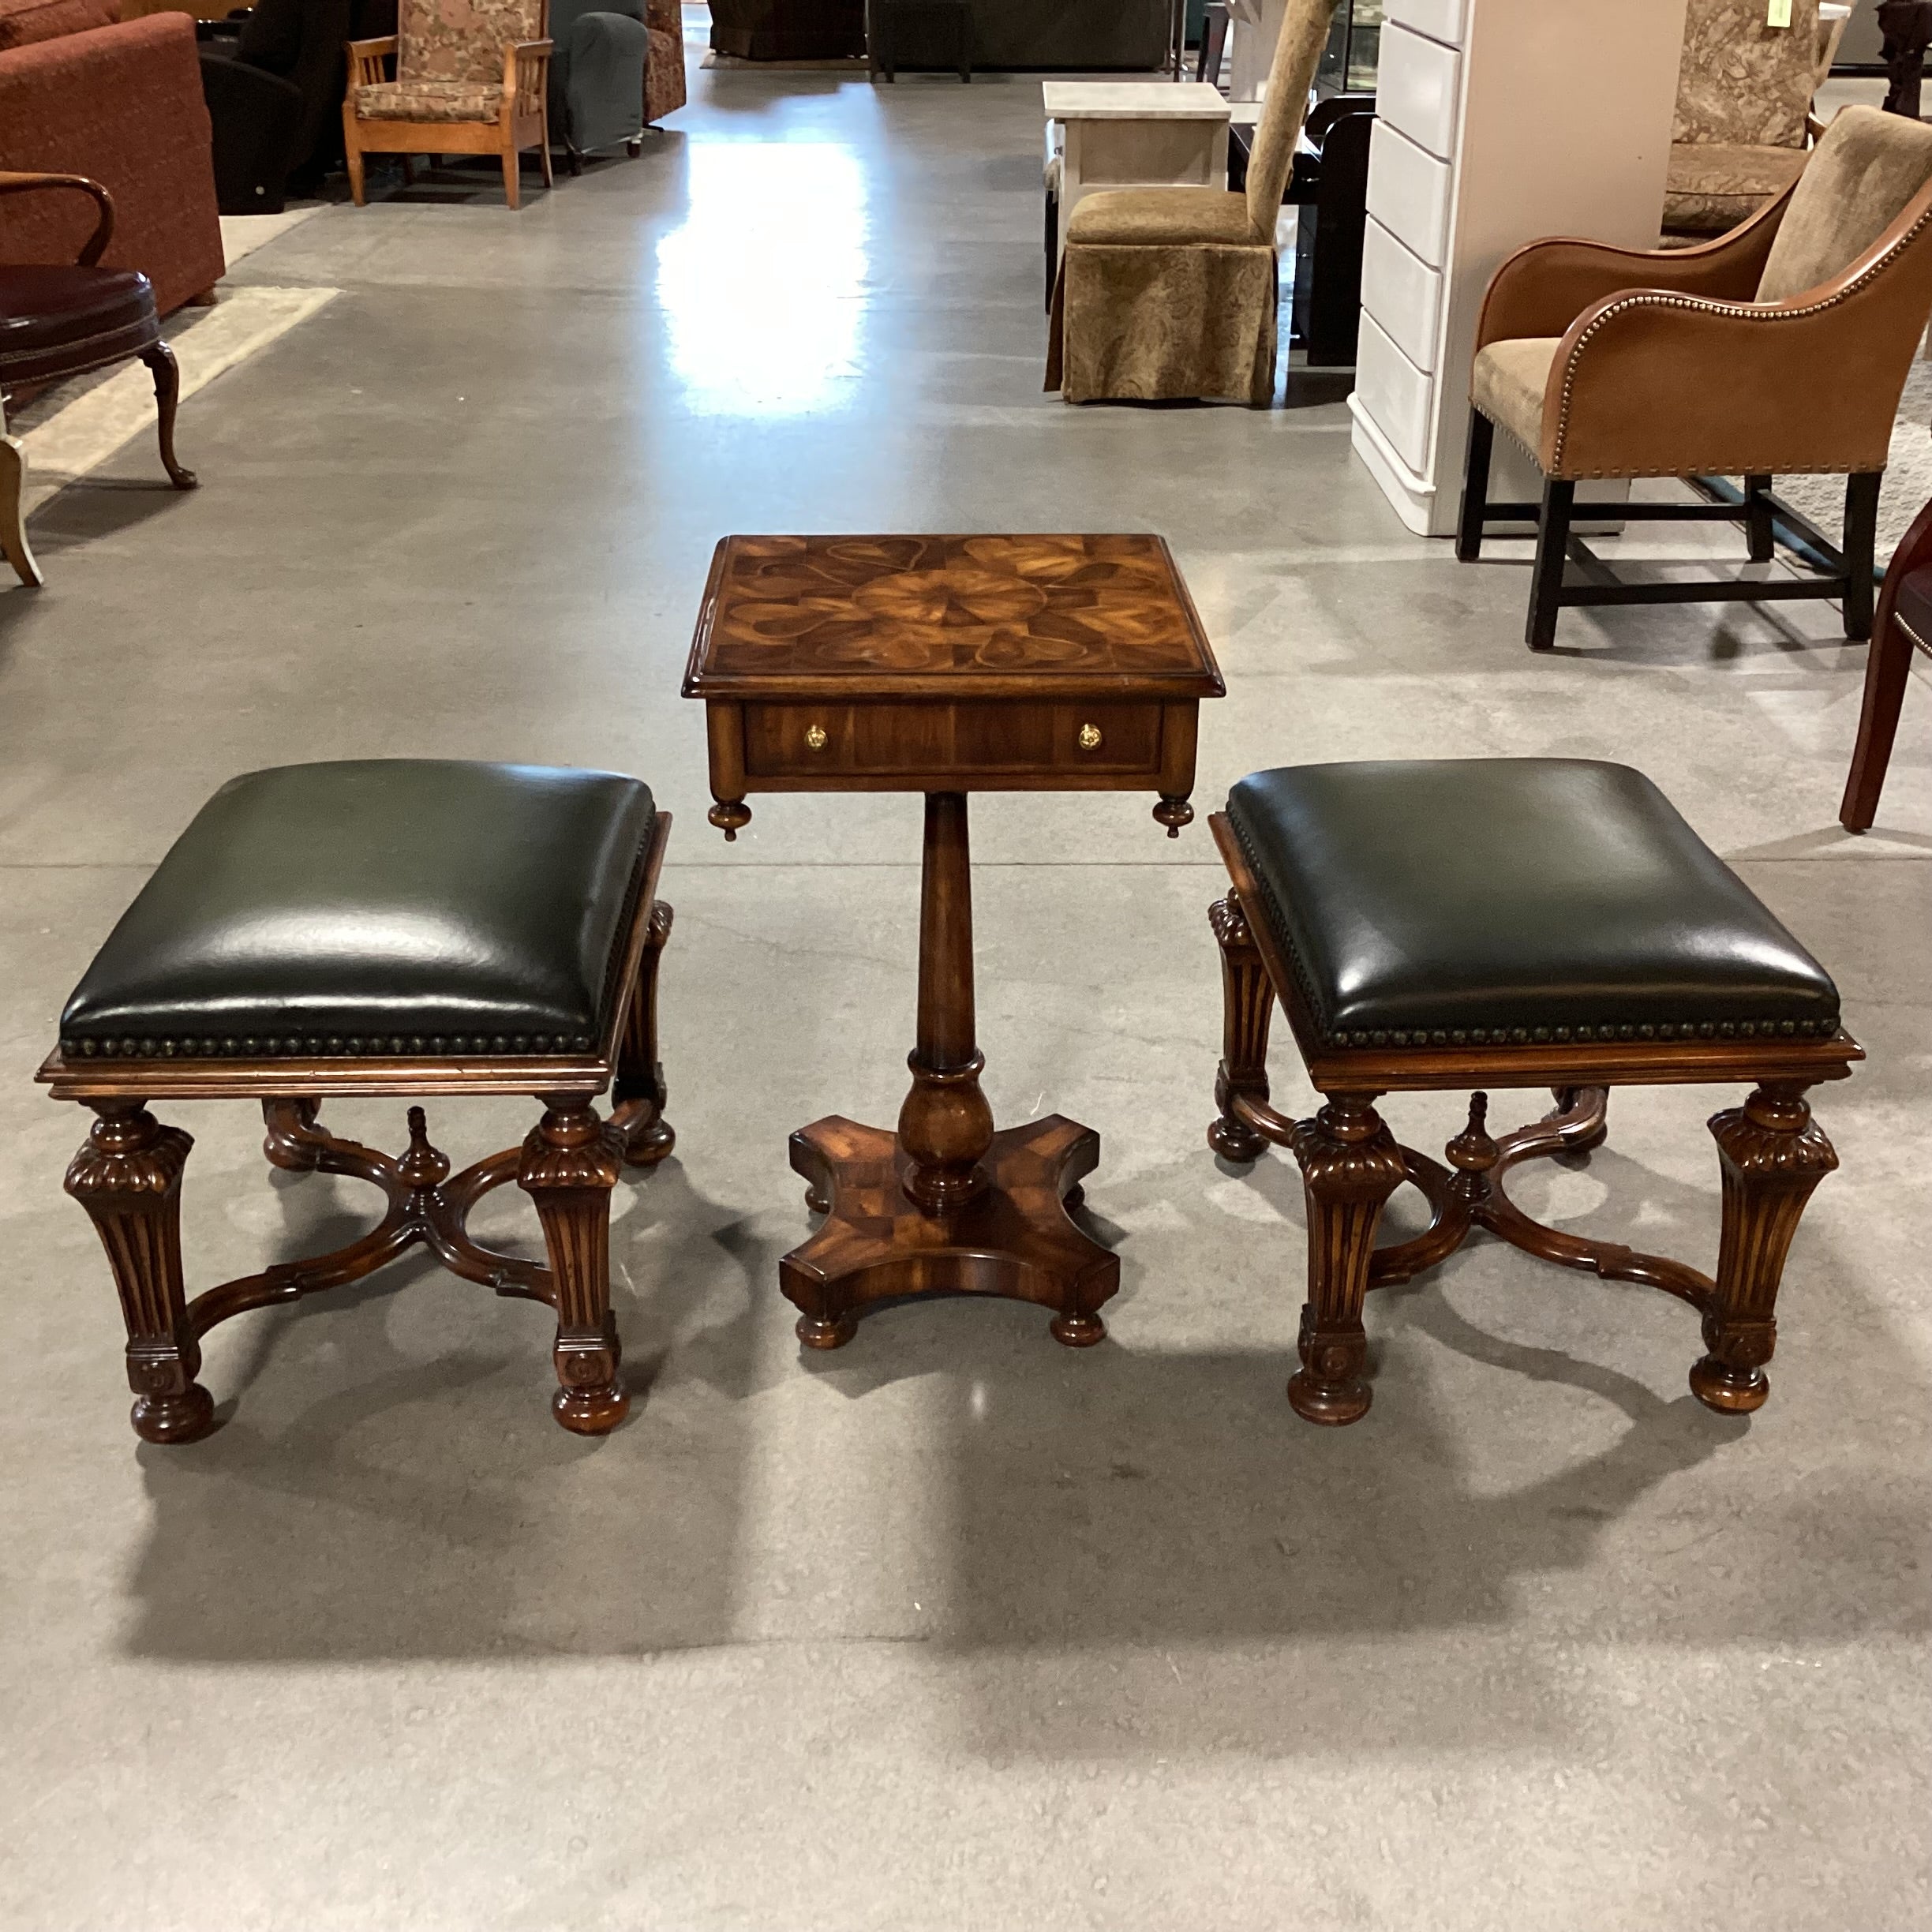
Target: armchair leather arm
<point x="13" y="182"/>
<point x="526" y="67"/>
<point x="1543" y="287"/>
<point x="365" y="60"/>
<point x="1652" y="382"/>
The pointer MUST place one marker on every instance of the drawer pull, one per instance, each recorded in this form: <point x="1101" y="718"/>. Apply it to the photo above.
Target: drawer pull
<point x="815" y="738"/>
<point x="1090" y="737"/>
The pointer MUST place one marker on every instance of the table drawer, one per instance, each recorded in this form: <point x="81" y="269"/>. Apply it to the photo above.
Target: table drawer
<point x="883" y="740"/>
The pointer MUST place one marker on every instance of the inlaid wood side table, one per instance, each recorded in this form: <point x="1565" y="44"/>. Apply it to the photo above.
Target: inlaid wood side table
<point x="948" y="665"/>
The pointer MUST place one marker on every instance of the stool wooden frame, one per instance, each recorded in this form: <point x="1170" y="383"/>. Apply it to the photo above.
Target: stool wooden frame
<point x="1772" y="1154"/>
<point x="128" y="1177"/>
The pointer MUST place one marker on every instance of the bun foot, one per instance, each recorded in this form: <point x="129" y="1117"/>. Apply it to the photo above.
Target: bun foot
<point x="817" y="1201"/>
<point x="1332" y="1404"/>
<point x="591" y="1412"/>
<point x="183" y="1418"/>
<point x="728" y="815"/>
<point x="1077" y="1331"/>
<point x="1730" y="1391"/>
<point x="1234" y="1141"/>
<point x="817" y="1334"/>
<point x="649" y="1145"/>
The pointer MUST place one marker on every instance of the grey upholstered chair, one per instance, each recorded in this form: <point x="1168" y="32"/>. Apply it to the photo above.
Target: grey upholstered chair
<point x="597" y="75"/>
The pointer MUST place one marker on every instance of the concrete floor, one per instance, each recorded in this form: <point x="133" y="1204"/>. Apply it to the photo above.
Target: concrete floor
<point x="952" y="1629"/>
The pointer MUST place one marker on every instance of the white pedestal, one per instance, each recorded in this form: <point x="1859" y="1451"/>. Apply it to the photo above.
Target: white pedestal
<point x="1501" y="121"/>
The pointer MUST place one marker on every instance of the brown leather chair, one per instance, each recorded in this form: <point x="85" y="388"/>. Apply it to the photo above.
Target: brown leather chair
<point x="57" y="321"/>
<point x="1904" y="624"/>
<point x="1780" y="348"/>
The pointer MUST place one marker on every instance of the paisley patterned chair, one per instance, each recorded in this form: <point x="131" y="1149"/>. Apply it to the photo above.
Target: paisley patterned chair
<point x="1744" y="94"/>
<point x="471" y="77"/>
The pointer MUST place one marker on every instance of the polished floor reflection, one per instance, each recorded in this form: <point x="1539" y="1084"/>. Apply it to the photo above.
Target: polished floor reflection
<point x="956" y="1629"/>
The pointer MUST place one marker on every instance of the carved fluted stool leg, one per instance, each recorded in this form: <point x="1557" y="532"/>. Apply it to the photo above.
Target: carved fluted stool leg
<point x="1774" y="1154"/>
<point x="128" y="1177"/>
<point x="1350" y="1165"/>
<point x="1248" y="1005"/>
<point x="640" y="1090"/>
<point x="570" y="1163"/>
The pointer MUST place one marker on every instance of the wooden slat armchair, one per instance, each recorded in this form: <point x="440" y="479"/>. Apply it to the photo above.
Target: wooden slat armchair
<point x="476" y="84"/>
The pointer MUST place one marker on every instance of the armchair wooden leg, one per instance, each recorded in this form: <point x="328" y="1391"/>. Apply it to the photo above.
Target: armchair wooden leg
<point x="166" y="373"/>
<point x="1758" y="518"/>
<point x="513" y="186"/>
<point x="1350" y="1165"/>
<point x="1860" y="543"/>
<point x="1553" y="548"/>
<point x="128" y="1177"/>
<point x="1886" y="674"/>
<point x="1475" y="488"/>
<point x="1248" y="1006"/>
<point x="352" y="154"/>
<point x="1774" y="1154"/>
<point x="13" y="544"/>
<point x="570" y="1163"/>
<point x="543" y="148"/>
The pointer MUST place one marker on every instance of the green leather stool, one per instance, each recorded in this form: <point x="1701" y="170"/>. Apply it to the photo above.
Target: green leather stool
<point x="397" y="927"/>
<point x="1491" y="923"/>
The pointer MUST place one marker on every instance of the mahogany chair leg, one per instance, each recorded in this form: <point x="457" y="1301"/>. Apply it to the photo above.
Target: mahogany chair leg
<point x="166" y="373"/>
<point x="1350" y="1165"/>
<point x="570" y="1163"/>
<point x="1772" y="1153"/>
<point x="1247" y="1007"/>
<point x="640" y="1074"/>
<point x="13" y="544"/>
<point x="127" y="1175"/>
<point x="1887" y="673"/>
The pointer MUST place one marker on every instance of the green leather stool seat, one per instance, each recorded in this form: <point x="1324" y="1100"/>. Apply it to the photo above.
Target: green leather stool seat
<point x="383" y="907"/>
<point x="1511" y="901"/>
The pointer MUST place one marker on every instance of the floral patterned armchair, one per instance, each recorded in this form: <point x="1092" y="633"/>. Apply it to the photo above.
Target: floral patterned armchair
<point x="471" y="77"/>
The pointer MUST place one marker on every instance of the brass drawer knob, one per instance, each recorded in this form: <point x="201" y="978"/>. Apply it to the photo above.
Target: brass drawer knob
<point x="815" y="738"/>
<point x="1090" y="737"/>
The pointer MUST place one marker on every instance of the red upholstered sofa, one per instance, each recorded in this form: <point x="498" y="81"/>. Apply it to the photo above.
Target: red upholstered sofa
<point x="82" y="93"/>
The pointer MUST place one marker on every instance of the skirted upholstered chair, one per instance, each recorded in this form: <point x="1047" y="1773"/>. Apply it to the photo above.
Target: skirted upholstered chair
<point x="471" y="78"/>
<point x="1743" y="110"/>
<point x="1780" y="348"/>
<point x="615" y="66"/>
<point x="1172" y="292"/>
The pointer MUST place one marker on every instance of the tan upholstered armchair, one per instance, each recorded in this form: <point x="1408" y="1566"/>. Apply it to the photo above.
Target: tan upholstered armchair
<point x="1172" y="292"/>
<point x="1780" y="348"/>
<point x="471" y="78"/>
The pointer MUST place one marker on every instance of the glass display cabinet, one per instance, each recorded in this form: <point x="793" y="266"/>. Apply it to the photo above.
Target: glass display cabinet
<point x="1347" y="62"/>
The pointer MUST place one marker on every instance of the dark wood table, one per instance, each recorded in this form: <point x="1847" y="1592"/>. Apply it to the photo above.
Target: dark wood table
<point x="947" y="665"/>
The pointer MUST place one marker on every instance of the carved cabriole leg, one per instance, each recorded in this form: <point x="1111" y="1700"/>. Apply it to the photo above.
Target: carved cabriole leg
<point x="166" y="374"/>
<point x="1350" y="1165"/>
<point x="570" y="1163"/>
<point x="1248" y="1005"/>
<point x="13" y="544"/>
<point x="640" y="1080"/>
<point x="128" y="1177"/>
<point x="1773" y="1154"/>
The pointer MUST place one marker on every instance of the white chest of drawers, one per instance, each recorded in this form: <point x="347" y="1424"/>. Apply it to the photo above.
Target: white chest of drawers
<point x="1501" y="120"/>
